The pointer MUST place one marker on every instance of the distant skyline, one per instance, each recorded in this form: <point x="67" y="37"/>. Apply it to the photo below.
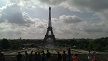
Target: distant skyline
<point x="28" y="19"/>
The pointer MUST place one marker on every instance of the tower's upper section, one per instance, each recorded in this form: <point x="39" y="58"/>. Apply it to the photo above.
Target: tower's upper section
<point x="49" y="24"/>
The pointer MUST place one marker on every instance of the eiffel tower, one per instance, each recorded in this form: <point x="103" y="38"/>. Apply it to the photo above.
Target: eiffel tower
<point x="49" y="33"/>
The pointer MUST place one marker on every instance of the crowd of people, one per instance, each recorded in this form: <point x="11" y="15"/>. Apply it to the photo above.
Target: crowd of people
<point x="42" y="56"/>
<point x="92" y="57"/>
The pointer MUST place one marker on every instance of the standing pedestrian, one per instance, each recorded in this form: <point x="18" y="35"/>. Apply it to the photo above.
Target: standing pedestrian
<point x="36" y="56"/>
<point x="43" y="56"/>
<point x="26" y="56"/>
<point x="75" y="57"/>
<point x="39" y="56"/>
<point x="94" y="59"/>
<point x="19" y="56"/>
<point x="48" y="55"/>
<point x="59" y="57"/>
<point x="89" y="56"/>
<point x="31" y="56"/>
<point x="2" y="57"/>
<point x="69" y="54"/>
<point x="64" y="56"/>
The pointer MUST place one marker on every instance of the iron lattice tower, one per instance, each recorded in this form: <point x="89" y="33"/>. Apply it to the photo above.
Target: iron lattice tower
<point x="49" y="33"/>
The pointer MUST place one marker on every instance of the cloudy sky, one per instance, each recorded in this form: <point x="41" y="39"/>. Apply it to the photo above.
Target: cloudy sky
<point x="70" y="18"/>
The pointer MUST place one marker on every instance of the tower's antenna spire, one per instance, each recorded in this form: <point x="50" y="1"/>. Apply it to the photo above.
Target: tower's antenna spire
<point x="49" y="24"/>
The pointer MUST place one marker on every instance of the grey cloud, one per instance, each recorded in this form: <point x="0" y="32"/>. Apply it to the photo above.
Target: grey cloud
<point x="2" y="17"/>
<point x="52" y="2"/>
<point x="104" y="16"/>
<point x="90" y="4"/>
<point x="10" y="34"/>
<point x="13" y="15"/>
<point x="41" y="26"/>
<point x="13" y="1"/>
<point x="94" y="5"/>
<point x="70" y="19"/>
<point x="94" y="28"/>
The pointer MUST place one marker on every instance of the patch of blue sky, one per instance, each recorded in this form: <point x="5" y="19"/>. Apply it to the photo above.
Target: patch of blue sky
<point x="2" y="3"/>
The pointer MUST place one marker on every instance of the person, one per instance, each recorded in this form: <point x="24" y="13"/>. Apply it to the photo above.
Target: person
<point x="39" y="56"/>
<point x="75" y="57"/>
<point x="59" y="57"/>
<point x="26" y="56"/>
<point x="69" y="54"/>
<point x="43" y="56"/>
<point x="2" y="57"/>
<point x="31" y="56"/>
<point x="94" y="53"/>
<point x="48" y="55"/>
<point x="36" y="56"/>
<point x="19" y="56"/>
<point x="64" y="56"/>
<point x="94" y="58"/>
<point x="89" y="56"/>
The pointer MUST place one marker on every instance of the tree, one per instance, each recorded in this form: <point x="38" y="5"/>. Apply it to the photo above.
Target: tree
<point x="15" y="46"/>
<point x="5" y="44"/>
<point x="106" y="48"/>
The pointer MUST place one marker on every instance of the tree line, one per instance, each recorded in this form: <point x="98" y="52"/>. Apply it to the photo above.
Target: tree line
<point x="100" y="44"/>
